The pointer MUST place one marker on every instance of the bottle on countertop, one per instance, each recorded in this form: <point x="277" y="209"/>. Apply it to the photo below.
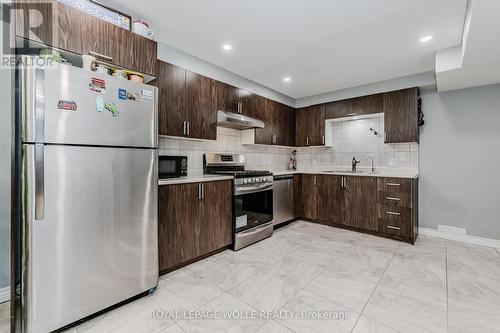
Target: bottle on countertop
<point x="292" y="162"/>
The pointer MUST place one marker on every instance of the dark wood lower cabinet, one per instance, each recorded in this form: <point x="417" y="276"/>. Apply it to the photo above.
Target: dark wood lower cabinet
<point x="330" y="200"/>
<point x="192" y="225"/>
<point x="383" y="206"/>
<point x="309" y="195"/>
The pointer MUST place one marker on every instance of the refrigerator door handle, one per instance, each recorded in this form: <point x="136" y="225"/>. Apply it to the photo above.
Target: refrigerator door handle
<point x="39" y="105"/>
<point x="39" y="181"/>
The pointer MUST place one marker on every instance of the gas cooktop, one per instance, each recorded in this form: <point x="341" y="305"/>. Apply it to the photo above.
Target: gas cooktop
<point x="242" y="173"/>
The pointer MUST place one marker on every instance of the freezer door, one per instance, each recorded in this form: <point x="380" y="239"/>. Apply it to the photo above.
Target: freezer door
<point x="68" y="105"/>
<point x="95" y="243"/>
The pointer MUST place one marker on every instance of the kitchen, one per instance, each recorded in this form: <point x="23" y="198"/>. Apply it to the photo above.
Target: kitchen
<point x="252" y="185"/>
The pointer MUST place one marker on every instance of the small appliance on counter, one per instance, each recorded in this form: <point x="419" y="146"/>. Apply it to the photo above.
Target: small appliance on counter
<point x="292" y="162"/>
<point x="172" y="166"/>
<point x="252" y="198"/>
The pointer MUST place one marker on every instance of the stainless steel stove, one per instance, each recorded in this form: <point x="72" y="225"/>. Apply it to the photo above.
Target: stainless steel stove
<point x="252" y="197"/>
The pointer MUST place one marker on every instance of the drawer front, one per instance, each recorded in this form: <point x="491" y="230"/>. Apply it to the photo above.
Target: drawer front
<point x="394" y="185"/>
<point x="394" y="227"/>
<point x="394" y="212"/>
<point x="394" y="199"/>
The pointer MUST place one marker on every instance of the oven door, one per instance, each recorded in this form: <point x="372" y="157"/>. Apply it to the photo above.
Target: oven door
<point x="253" y="209"/>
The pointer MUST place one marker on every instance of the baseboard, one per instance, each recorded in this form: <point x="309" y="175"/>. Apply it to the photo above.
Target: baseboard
<point x="4" y="294"/>
<point x="461" y="238"/>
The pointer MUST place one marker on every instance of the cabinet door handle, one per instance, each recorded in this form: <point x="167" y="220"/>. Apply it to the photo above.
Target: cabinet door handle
<point x="202" y="192"/>
<point x="183" y="128"/>
<point x="393" y="199"/>
<point x="102" y="56"/>
<point x="323" y="139"/>
<point x="393" y="213"/>
<point x="307" y="141"/>
<point x="393" y="184"/>
<point x="188" y="128"/>
<point x="394" y="228"/>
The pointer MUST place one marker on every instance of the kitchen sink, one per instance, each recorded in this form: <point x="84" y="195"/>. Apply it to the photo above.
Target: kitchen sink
<point x="350" y="171"/>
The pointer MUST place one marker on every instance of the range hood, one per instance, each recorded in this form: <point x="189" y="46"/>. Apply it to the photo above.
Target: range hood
<point x="237" y="121"/>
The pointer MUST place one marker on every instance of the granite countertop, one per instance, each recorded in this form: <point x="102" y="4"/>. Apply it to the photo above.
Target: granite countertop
<point x="193" y="179"/>
<point x="392" y="173"/>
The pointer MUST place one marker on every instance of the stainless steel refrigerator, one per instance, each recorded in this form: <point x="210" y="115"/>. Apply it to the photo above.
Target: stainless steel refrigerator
<point x="89" y="193"/>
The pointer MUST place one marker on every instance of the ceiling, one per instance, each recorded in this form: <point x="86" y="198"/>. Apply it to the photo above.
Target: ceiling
<point x="475" y="62"/>
<point x="322" y="45"/>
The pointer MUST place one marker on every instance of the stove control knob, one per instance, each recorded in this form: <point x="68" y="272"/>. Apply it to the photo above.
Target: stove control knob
<point x="244" y="181"/>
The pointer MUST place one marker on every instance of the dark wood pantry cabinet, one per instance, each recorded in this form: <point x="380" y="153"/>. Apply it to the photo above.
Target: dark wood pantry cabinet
<point x="81" y="33"/>
<point x="310" y="126"/>
<point x="194" y="220"/>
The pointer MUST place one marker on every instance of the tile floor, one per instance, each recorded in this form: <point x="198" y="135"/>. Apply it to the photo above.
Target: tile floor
<point x="312" y="278"/>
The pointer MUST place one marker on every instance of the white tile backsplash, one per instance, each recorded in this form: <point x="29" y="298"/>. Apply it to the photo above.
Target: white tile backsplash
<point x="228" y="141"/>
<point x="353" y="138"/>
<point x="350" y="139"/>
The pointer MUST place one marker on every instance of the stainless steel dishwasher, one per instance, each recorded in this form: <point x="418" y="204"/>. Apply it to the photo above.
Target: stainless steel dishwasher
<point x="282" y="199"/>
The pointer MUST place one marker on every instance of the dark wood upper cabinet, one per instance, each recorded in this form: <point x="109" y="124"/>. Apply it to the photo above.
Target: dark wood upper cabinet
<point x="227" y="97"/>
<point x="191" y="224"/>
<point x="310" y="126"/>
<point x="355" y="106"/>
<point x="186" y="103"/>
<point x="81" y="33"/>
<point x="171" y="83"/>
<point x="284" y="125"/>
<point x="200" y="104"/>
<point x="264" y="110"/>
<point x="401" y="116"/>
<point x="339" y="109"/>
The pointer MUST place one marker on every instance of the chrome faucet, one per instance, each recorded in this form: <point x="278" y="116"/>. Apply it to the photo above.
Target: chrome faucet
<point x="354" y="164"/>
<point x="371" y="158"/>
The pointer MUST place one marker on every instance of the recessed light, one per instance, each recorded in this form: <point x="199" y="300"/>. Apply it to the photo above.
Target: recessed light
<point x="425" y="39"/>
<point x="227" y="47"/>
<point x="287" y="79"/>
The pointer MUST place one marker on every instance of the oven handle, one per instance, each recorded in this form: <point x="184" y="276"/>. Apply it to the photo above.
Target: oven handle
<point x="255" y="229"/>
<point x="252" y="189"/>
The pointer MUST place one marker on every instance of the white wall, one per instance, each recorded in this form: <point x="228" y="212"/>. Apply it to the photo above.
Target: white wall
<point x="180" y="58"/>
<point x="416" y="80"/>
<point x="460" y="161"/>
